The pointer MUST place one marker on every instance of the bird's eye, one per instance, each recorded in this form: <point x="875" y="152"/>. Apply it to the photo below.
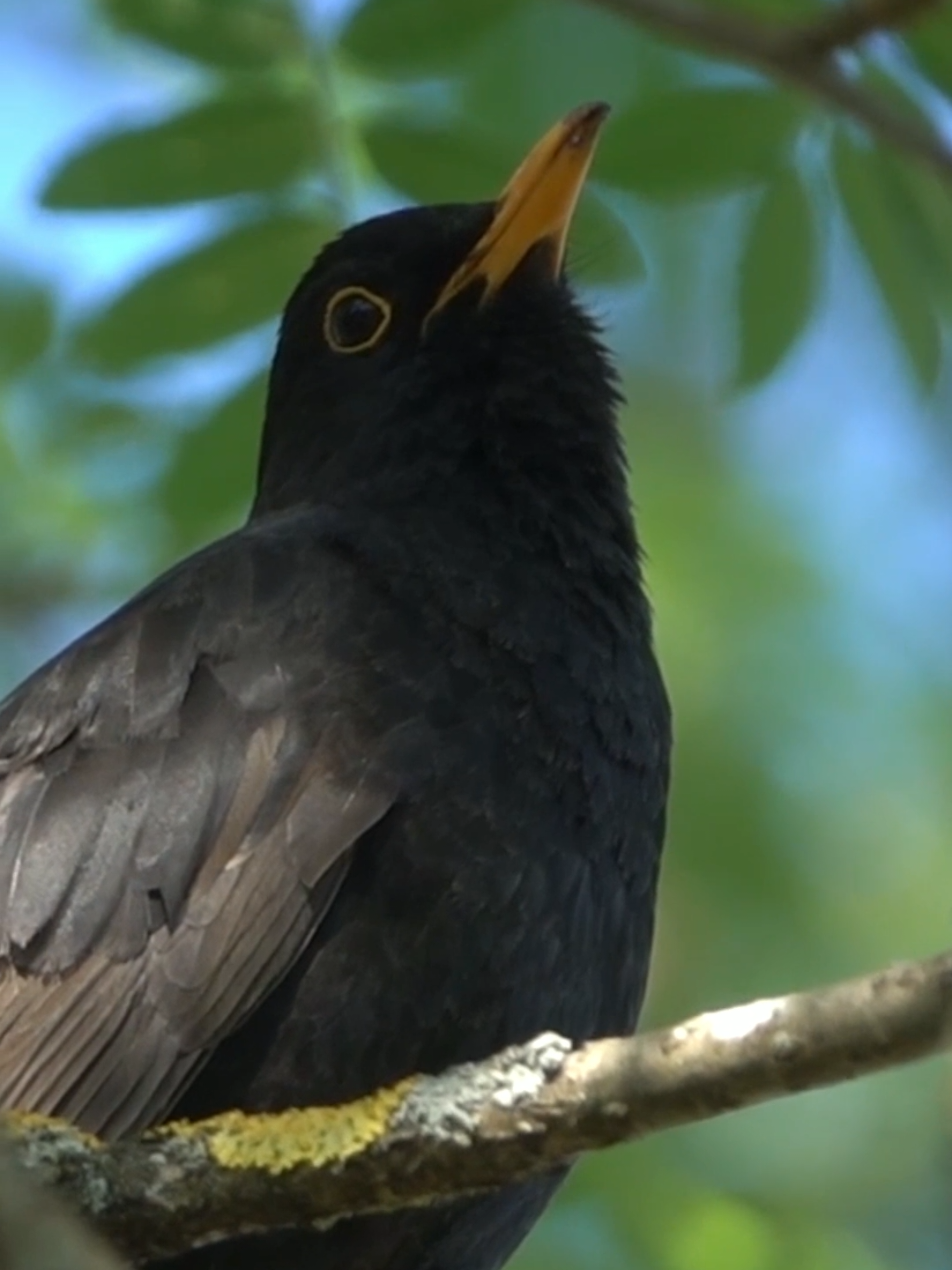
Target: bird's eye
<point x="355" y="320"/>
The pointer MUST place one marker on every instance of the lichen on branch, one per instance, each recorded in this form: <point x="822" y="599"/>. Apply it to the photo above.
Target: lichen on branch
<point x="480" y="1125"/>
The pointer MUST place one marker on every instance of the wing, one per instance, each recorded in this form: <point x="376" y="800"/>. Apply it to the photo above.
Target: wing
<point x="179" y="795"/>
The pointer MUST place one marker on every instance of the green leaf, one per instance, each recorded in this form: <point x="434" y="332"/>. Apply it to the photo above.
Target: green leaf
<point x="720" y="1231"/>
<point x="777" y="277"/>
<point x="699" y="142"/>
<point x="902" y="91"/>
<point x="549" y="56"/>
<point x="602" y="248"/>
<point x="227" y="285"/>
<point x="920" y="204"/>
<point x="435" y="165"/>
<point x="801" y="10"/>
<point x="231" y="144"/>
<point x="81" y="427"/>
<point x="26" y="324"/>
<point x="211" y="480"/>
<point x="931" y="42"/>
<point x="924" y="200"/>
<point x="408" y="37"/>
<point x="235" y="34"/>
<point x="883" y="238"/>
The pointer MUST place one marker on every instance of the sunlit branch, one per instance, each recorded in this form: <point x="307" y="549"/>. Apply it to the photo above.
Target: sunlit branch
<point x="484" y="1124"/>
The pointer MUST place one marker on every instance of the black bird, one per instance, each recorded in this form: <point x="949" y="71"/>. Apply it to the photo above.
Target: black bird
<point x="376" y="784"/>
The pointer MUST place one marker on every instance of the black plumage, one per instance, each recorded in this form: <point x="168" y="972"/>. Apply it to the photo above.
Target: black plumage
<point x="377" y="783"/>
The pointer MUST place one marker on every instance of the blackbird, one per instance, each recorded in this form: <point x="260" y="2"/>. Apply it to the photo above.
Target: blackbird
<point x="377" y="783"/>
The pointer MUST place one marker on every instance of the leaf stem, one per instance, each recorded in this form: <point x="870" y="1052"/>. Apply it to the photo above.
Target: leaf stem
<point x="802" y="56"/>
<point x="332" y="117"/>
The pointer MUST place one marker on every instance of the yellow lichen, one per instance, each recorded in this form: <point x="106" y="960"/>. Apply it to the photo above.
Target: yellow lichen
<point x="24" y="1124"/>
<point x="286" y="1139"/>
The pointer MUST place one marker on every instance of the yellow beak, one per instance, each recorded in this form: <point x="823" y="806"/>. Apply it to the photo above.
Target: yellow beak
<point x="536" y="206"/>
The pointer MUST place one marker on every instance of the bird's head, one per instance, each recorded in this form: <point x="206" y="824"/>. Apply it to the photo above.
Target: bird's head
<point x="418" y="335"/>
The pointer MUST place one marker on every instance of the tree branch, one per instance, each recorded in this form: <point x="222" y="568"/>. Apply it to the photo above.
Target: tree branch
<point x="484" y="1124"/>
<point x="847" y="25"/>
<point x="37" y="1232"/>
<point x="801" y="56"/>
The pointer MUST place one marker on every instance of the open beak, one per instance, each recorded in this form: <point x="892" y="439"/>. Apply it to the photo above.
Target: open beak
<point x="535" y="207"/>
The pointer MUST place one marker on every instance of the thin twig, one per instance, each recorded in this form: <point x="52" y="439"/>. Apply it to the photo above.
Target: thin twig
<point x="479" y="1126"/>
<point x="781" y="53"/>
<point x="847" y="25"/>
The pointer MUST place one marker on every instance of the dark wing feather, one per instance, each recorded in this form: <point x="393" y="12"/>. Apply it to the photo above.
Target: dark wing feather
<point x="177" y="810"/>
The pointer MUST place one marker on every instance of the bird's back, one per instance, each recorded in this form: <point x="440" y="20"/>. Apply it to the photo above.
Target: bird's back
<point x="493" y="876"/>
<point x="508" y="892"/>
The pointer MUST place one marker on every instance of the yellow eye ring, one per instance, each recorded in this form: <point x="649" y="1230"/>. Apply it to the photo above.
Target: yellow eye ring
<point x="356" y="308"/>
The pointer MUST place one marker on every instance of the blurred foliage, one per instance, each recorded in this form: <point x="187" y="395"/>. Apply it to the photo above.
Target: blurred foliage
<point x="234" y="281"/>
<point x="193" y="156"/>
<point x="800" y="557"/>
